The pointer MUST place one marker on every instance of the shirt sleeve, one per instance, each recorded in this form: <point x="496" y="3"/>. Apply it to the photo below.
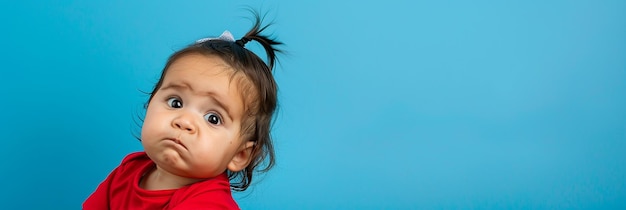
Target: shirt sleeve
<point x="99" y="199"/>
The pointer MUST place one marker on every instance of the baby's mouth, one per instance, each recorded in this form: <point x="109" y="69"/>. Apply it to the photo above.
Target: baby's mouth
<point x="177" y="141"/>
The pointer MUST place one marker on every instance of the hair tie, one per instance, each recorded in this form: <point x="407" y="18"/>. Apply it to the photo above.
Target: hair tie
<point x="226" y="36"/>
<point x="242" y="42"/>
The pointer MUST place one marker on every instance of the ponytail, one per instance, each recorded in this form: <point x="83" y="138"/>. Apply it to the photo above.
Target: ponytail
<point x="265" y="41"/>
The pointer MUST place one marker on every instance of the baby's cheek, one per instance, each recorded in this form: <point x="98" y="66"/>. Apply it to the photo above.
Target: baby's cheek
<point x="153" y="131"/>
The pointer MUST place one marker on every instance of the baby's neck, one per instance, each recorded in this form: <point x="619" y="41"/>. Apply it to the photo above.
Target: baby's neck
<point x="159" y="179"/>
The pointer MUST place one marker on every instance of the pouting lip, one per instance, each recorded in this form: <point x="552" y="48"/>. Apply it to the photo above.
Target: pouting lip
<point x="177" y="141"/>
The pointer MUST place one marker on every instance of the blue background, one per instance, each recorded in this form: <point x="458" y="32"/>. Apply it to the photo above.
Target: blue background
<point x="384" y="104"/>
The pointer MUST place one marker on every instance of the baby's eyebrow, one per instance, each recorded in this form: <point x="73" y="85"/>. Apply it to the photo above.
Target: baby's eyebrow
<point x="185" y="86"/>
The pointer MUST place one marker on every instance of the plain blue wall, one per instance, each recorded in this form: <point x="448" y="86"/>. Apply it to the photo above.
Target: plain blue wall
<point x="384" y="105"/>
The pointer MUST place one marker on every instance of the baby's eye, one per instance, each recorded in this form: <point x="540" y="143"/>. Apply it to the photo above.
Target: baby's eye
<point x="175" y="102"/>
<point x="213" y="118"/>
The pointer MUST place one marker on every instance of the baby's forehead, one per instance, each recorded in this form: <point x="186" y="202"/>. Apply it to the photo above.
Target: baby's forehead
<point x="203" y="74"/>
<point x="198" y="60"/>
<point x="211" y="65"/>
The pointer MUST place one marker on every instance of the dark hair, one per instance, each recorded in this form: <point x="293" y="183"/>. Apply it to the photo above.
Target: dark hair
<point x="259" y="93"/>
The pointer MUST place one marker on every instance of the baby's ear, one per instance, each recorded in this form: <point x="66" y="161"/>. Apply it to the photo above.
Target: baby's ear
<point x="242" y="158"/>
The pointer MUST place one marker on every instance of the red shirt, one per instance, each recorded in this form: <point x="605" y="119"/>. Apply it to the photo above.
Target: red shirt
<point x="120" y="190"/>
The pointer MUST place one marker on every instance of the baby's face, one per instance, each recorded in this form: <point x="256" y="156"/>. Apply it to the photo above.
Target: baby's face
<point x="192" y="125"/>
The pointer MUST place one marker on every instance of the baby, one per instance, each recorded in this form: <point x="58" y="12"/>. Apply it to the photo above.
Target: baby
<point x="206" y="129"/>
